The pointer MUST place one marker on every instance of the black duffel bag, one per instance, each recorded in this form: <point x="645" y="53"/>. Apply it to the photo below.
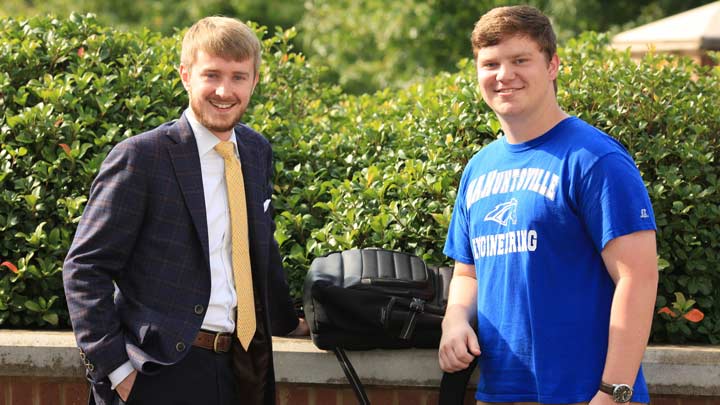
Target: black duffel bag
<point x="374" y="299"/>
<point x="364" y="299"/>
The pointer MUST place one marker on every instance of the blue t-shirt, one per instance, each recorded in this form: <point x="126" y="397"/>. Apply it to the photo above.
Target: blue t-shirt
<point x="533" y="219"/>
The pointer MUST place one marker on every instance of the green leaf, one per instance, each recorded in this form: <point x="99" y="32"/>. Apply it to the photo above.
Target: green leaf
<point x="51" y="318"/>
<point x="33" y="306"/>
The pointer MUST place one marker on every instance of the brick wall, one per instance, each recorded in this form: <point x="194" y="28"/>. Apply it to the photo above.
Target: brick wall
<point x="292" y="394"/>
<point x="678" y="400"/>
<point x="73" y="391"/>
<point x="43" y="391"/>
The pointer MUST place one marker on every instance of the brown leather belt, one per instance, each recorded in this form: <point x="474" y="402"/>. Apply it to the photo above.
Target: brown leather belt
<point x="216" y="341"/>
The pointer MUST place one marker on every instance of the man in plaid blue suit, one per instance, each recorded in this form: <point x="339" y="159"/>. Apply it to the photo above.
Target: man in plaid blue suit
<point x="149" y="278"/>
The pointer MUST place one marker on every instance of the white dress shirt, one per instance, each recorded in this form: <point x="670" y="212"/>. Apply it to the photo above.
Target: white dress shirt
<point x="220" y="314"/>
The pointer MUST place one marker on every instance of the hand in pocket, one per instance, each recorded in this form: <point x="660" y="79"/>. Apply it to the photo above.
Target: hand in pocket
<point x="125" y="387"/>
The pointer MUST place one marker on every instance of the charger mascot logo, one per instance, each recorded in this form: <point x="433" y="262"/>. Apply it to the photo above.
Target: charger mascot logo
<point x="503" y="213"/>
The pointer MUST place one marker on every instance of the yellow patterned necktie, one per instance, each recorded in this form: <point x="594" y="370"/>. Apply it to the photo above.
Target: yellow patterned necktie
<point x="246" y="324"/>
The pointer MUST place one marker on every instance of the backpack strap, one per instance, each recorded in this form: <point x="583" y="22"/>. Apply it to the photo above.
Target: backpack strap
<point x="351" y="376"/>
<point x="453" y="386"/>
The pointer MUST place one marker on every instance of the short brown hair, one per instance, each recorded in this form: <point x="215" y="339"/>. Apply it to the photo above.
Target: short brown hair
<point x="503" y="22"/>
<point x="221" y="36"/>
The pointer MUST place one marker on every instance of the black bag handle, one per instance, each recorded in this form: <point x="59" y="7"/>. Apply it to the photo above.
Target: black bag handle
<point x="454" y="385"/>
<point x="351" y="376"/>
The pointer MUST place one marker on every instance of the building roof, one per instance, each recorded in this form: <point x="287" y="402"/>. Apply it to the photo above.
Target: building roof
<point x="691" y="30"/>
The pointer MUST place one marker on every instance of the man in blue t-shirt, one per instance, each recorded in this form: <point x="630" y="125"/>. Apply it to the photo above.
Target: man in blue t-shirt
<point x="553" y="237"/>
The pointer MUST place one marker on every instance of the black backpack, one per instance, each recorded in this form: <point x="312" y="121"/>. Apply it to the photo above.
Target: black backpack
<point x="374" y="299"/>
<point x="364" y="299"/>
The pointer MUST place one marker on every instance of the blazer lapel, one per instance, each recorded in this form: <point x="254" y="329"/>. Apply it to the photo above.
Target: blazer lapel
<point x="186" y="161"/>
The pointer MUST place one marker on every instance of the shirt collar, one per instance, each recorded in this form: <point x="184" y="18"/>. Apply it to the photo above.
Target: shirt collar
<point x="205" y="139"/>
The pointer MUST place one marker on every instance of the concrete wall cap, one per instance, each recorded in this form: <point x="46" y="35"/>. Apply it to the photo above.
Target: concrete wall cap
<point x="669" y="370"/>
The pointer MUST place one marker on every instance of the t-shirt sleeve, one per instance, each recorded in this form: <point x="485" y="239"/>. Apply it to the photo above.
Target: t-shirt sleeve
<point x="457" y="244"/>
<point x="614" y="201"/>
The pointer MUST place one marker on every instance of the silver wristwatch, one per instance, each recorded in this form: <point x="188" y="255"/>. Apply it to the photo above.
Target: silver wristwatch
<point x="621" y="393"/>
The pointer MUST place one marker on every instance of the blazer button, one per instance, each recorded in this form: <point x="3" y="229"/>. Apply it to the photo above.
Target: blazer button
<point x="180" y="346"/>
<point x="90" y="367"/>
<point x="199" y="309"/>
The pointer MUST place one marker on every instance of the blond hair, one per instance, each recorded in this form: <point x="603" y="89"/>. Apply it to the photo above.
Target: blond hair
<point x="221" y="36"/>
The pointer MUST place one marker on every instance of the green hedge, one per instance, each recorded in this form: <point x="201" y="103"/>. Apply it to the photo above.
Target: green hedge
<point x="351" y="171"/>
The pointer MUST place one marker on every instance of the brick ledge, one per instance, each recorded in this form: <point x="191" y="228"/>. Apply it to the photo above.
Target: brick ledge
<point x="669" y="370"/>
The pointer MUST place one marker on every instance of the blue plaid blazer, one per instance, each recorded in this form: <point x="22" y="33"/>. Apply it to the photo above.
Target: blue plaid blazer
<point x="144" y="229"/>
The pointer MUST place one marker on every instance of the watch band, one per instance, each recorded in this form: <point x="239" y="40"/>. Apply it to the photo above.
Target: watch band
<point x="606" y="388"/>
<point x="620" y="393"/>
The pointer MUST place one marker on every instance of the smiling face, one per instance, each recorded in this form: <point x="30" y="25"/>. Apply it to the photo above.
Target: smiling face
<point x="516" y="78"/>
<point x="219" y="90"/>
